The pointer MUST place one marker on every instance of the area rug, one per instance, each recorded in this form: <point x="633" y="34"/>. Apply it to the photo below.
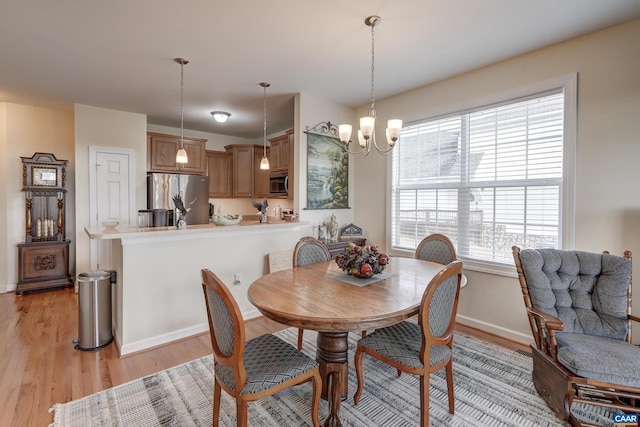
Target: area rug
<point x="493" y="387"/>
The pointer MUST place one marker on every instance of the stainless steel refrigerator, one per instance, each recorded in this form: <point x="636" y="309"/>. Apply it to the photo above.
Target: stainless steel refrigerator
<point x="193" y="189"/>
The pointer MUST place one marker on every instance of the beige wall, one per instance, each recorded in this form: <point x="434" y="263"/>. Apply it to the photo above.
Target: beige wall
<point x="101" y="127"/>
<point x="608" y="150"/>
<point x="25" y="131"/>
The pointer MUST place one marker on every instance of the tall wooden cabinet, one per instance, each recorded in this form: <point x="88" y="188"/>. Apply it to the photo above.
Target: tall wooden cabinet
<point x="43" y="260"/>
<point x="219" y="171"/>
<point x="281" y="159"/>
<point x="162" y="149"/>
<point x="260" y="177"/>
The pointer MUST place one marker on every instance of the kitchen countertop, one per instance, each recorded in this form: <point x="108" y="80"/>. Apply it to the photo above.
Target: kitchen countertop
<point x="98" y="232"/>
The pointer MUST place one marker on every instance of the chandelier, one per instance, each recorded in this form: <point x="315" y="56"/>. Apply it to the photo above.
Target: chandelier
<point x="366" y="134"/>
<point x="264" y="163"/>
<point x="181" y="155"/>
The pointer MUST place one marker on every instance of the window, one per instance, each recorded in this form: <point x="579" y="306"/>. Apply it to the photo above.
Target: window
<point x="489" y="178"/>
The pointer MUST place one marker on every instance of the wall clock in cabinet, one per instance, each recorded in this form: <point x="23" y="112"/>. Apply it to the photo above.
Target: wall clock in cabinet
<point x="43" y="260"/>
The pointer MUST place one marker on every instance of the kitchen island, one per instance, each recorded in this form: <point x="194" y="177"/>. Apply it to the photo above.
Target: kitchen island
<point x="158" y="295"/>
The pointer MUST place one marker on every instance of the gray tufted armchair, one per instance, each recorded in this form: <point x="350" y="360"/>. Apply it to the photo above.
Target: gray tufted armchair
<point x="309" y="250"/>
<point x="579" y="308"/>
<point x="258" y="368"/>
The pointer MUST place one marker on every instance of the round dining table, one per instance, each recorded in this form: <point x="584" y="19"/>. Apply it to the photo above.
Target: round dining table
<point x="323" y="298"/>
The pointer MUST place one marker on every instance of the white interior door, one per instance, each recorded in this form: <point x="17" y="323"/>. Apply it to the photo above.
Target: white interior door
<point x="112" y="195"/>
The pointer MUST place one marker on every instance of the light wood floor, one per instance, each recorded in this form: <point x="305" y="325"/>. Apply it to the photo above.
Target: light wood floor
<point x="40" y="367"/>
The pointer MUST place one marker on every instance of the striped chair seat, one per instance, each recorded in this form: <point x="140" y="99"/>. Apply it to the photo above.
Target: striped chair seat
<point x="269" y="361"/>
<point x="401" y="343"/>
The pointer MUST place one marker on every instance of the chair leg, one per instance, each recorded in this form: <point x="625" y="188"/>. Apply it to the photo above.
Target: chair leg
<point x="300" y="332"/>
<point x="316" y="382"/>
<point x="449" y="371"/>
<point x="357" y="362"/>
<point x="241" y="412"/>
<point x="424" y="399"/>
<point x="217" y="391"/>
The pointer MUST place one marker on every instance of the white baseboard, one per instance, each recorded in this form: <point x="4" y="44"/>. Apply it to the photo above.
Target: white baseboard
<point x="494" y="329"/>
<point x="8" y="288"/>
<point x="157" y="340"/>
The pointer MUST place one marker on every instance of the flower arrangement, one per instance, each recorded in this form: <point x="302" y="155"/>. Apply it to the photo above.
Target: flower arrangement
<point x="362" y="261"/>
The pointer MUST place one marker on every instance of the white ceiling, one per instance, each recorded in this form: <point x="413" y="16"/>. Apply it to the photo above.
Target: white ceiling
<point x="119" y="54"/>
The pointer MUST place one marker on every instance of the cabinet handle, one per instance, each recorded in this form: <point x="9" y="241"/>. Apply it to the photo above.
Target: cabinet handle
<point x="286" y="183"/>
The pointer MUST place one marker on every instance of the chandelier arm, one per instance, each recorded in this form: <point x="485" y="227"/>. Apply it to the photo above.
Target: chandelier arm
<point x="363" y="150"/>
<point x="381" y="151"/>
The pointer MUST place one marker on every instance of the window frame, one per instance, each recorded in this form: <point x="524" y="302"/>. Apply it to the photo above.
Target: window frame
<point x="568" y="84"/>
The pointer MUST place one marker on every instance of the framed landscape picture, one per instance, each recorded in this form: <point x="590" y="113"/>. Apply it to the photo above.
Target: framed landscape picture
<point x="327" y="169"/>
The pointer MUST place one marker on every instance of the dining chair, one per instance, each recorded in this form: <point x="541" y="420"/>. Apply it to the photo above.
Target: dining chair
<point x="436" y="248"/>
<point x="420" y="348"/>
<point x="307" y="251"/>
<point x="254" y="369"/>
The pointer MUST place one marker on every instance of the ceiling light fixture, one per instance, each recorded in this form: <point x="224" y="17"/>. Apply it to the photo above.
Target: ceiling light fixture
<point x="220" y="116"/>
<point x="264" y="163"/>
<point x="181" y="155"/>
<point x="366" y="134"/>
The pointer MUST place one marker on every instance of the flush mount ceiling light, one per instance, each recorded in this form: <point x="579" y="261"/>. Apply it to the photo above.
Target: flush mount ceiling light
<point x="220" y="116"/>
<point x="264" y="163"/>
<point x="366" y="134"/>
<point x="181" y="155"/>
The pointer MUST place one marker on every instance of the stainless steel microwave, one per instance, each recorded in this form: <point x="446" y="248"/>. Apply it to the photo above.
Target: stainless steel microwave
<point x="279" y="183"/>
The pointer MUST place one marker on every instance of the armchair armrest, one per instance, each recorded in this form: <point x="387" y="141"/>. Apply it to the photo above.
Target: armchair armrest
<point x="546" y="325"/>
<point x="634" y="318"/>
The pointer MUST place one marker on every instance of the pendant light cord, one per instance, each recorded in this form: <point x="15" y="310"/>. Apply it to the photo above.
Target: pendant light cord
<point x="181" y="105"/>
<point x="373" y="100"/>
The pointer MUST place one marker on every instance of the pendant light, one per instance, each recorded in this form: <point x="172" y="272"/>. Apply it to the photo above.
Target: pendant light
<point x="366" y="134"/>
<point x="264" y="163"/>
<point x="181" y="156"/>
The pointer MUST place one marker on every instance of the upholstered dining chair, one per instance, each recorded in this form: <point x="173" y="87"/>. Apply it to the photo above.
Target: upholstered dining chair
<point x="258" y="368"/>
<point x="579" y="309"/>
<point x="420" y="348"/>
<point x="436" y="248"/>
<point x="309" y="250"/>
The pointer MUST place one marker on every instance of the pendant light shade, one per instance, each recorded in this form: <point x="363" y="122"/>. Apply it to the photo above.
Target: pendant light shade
<point x="181" y="155"/>
<point x="264" y="163"/>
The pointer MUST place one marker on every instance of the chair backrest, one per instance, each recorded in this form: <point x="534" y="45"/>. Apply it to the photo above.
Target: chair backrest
<point x="436" y="248"/>
<point x="589" y="292"/>
<point x="439" y="307"/>
<point x="309" y="250"/>
<point x="226" y="328"/>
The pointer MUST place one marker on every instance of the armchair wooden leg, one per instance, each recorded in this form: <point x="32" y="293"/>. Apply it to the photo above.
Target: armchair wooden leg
<point x="424" y="399"/>
<point x="300" y="332"/>
<point x="241" y="413"/>
<point x="316" y="381"/>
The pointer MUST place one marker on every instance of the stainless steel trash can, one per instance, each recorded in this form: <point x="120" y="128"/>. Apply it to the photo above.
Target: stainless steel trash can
<point x="94" y="309"/>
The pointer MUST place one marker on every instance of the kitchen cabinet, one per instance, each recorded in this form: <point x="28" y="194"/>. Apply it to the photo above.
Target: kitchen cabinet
<point x="219" y="171"/>
<point x="261" y="177"/>
<point x="280" y="152"/>
<point x="243" y="156"/>
<point x="162" y="149"/>
<point x="281" y="159"/>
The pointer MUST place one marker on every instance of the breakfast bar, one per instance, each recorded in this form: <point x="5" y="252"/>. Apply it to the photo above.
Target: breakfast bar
<point x="158" y="294"/>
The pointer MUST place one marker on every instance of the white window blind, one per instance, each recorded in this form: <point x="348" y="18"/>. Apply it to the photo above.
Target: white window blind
<point x="488" y="178"/>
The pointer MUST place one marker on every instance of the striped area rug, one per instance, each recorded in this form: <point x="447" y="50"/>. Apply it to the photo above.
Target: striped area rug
<point x="493" y="387"/>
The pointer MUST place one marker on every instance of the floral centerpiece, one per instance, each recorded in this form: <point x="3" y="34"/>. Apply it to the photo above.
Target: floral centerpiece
<point x="362" y="261"/>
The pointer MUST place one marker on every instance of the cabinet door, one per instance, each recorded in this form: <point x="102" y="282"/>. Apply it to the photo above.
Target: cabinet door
<point x="219" y="171"/>
<point x="261" y="177"/>
<point x="290" y="162"/>
<point x="197" y="158"/>
<point x="161" y="152"/>
<point x="242" y="171"/>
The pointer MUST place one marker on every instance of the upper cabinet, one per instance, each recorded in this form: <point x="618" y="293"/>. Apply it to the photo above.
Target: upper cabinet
<point x="242" y="169"/>
<point x="260" y="177"/>
<point x="219" y="171"/>
<point x="162" y="149"/>
<point x="280" y="157"/>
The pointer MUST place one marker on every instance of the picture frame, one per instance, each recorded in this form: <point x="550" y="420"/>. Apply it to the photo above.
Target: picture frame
<point x="44" y="176"/>
<point x="327" y="168"/>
